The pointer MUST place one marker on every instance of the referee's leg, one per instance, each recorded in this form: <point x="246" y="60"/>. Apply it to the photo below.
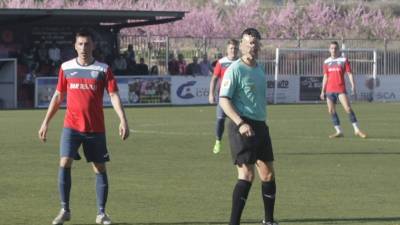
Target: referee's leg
<point x="241" y="191"/>
<point x="268" y="188"/>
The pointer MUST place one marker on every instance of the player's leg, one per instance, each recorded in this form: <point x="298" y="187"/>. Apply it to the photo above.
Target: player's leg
<point x="331" y="100"/>
<point x="69" y="144"/>
<point x="95" y="149"/>
<point x="219" y="129"/>
<point x="241" y="191"/>
<point x="344" y="100"/>
<point x="101" y="190"/>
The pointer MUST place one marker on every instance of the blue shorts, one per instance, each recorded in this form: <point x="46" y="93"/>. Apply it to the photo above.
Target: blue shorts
<point x="333" y="96"/>
<point x="93" y="144"/>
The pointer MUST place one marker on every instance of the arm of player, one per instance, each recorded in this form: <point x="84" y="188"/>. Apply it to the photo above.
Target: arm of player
<point x="211" y="95"/>
<point x="54" y="105"/>
<point x="119" y="109"/>
<point x="244" y="128"/>
<point x="323" y="88"/>
<point x="352" y="84"/>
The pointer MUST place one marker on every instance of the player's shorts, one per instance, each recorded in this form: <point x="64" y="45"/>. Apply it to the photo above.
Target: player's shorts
<point x="220" y="113"/>
<point x="333" y="96"/>
<point x="247" y="150"/>
<point x="93" y="144"/>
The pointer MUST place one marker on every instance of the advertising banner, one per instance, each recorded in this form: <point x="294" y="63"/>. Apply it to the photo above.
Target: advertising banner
<point x="190" y="90"/>
<point x="385" y="88"/>
<point x="143" y="90"/>
<point x="133" y="90"/>
<point x="310" y="88"/>
<point x="288" y="89"/>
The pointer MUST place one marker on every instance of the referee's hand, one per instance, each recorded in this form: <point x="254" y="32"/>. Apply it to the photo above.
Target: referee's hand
<point x="246" y="130"/>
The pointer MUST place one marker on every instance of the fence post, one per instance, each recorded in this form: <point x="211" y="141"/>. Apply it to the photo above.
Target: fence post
<point x="166" y="55"/>
<point x="149" y="49"/>
<point x="385" y="56"/>
<point x="276" y="73"/>
<point x="205" y="45"/>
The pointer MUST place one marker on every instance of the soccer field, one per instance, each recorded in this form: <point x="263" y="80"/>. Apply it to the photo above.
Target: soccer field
<point x="165" y="173"/>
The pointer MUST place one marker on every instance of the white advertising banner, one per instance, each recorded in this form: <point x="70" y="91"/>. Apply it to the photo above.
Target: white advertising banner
<point x="386" y="88"/>
<point x="288" y="89"/>
<point x="189" y="90"/>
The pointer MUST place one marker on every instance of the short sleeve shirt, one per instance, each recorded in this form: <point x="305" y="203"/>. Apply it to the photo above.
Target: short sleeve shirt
<point x="245" y="86"/>
<point x="335" y="69"/>
<point x="84" y="86"/>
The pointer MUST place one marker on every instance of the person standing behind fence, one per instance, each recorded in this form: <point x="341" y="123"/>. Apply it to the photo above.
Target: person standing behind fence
<point x="219" y="70"/>
<point x="243" y="99"/>
<point x="205" y="66"/>
<point x="181" y="64"/>
<point x="193" y="68"/>
<point x="82" y="81"/>
<point x="334" y="89"/>
<point x="173" y="65"/>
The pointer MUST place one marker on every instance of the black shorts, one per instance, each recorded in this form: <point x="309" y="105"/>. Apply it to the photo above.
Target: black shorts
<point x="247" y="150"/>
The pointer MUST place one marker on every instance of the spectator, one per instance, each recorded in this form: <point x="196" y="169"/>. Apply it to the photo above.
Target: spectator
<point x="54" y="56"/>
<point x="28" y="85"/>
<point x="154" y="70"/>
<point x="29" y="57"/>
<point x="194" y="67"/>
<point x="119" y="65"/>
<point x="43" y="53"/>
<point x="142" y="68"/>
<point x="131" y="66"/>
<point x="173" y="65"/>
<point x="181" y="64"/>
<point x="130" y="54"/>
<point x="205" y="66"/>
<point x="219" y="56"/>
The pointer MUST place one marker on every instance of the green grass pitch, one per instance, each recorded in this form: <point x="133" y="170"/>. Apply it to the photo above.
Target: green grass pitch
<point x="165" y="173"/>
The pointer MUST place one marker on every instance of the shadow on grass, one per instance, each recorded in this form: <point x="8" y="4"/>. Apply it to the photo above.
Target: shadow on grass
<point x="303" y="220"/>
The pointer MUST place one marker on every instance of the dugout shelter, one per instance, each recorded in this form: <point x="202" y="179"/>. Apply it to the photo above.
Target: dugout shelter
<point x="26" y="33"/>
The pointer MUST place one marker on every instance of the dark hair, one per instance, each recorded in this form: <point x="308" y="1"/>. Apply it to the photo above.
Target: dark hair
<point x="84" y="33"/>
<point x="252" y="32"/>
<point x="232" y="42"/>
<point x="335" y="43"/>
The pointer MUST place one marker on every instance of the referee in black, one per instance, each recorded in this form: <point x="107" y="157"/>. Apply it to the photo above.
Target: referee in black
<point x="243" y="99"/>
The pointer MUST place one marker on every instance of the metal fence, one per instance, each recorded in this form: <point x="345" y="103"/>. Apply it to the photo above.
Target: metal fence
<point x="156" y="51"/>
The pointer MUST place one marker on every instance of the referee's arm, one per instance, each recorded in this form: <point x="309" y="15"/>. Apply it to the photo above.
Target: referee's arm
<point x="230" y="111"/>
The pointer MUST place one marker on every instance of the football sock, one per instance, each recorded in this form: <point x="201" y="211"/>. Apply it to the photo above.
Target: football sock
<point x="335" y="119"/>
<point x="219" y="128"/>
<point x="355" y="126"/>
<point x="268" y="190"/>
<point x="64" y="186"/>
<point x="101" y="191"/>
<point x="338" y="129"/>
<point x="352" y="117"/>
<point x="240" y="193"/>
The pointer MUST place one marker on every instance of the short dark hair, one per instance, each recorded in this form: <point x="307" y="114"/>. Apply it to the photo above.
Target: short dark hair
<point x="252" y="32"/>
<point x="84" y="33"/>
<point x="232" y="42"/>
<point x="335" y="43"/>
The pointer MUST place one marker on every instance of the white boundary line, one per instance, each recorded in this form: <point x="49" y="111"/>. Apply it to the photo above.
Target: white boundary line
<point x="173" y="133"/>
